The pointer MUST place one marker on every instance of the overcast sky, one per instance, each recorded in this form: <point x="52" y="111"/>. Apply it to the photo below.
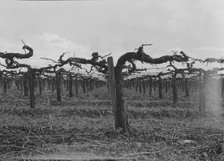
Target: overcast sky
<point x="117" y="26"/>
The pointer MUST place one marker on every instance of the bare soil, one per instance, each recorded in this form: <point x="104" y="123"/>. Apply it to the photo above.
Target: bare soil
<point x="81" y="128"/>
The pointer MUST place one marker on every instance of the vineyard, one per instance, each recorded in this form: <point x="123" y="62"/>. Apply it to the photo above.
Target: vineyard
<point x="99" y="109"/>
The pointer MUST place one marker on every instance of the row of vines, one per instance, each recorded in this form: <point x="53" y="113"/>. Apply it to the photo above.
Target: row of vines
<point x="122" y="75"/>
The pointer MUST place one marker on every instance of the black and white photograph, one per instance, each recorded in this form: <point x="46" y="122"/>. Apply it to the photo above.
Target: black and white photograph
<point x="111" y="80"/>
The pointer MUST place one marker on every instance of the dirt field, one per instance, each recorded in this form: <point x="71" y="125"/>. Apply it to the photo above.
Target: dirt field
<point x="81" y="128"/>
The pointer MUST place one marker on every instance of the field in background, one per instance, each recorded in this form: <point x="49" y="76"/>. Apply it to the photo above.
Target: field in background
<point x="82" y="128"/>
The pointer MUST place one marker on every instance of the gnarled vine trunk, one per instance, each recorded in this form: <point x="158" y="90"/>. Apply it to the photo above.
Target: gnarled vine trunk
<point x="174" y="88"/>
<point x="58" y="85"/>
<point x="222" y="87"/>
<point x="70" y="85"/>
<point x="40" y="83"/>
<point x="25" y="84"/>
<point x="76" y="85"/>
<point x="121" y="118"/>
<point x="150" y="86"/>
<point x="31" y="76"/>
<point x="160" y="88"/>
<point x="121" y="113"/>
<point x="186" y="87"/>
<point x="5" y="87"/>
